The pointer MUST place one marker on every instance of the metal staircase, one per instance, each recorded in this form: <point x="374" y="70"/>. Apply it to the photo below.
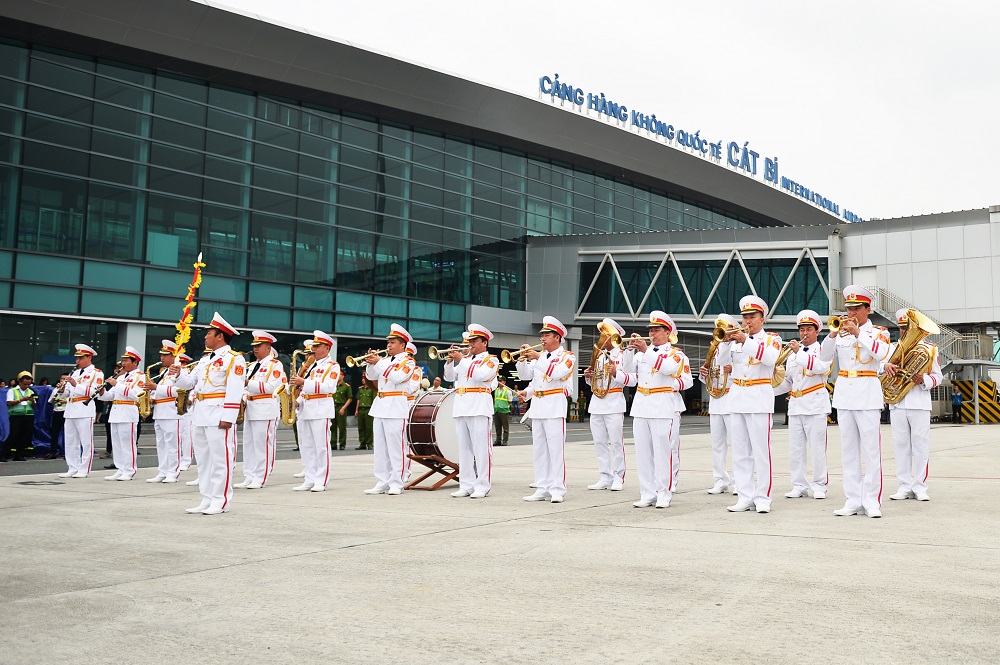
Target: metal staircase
<point x="952" y="345"/>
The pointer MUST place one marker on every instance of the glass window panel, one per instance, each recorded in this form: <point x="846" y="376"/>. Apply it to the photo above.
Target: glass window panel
<point x="224" y="239"/>
<point x="183" y="87"/>
<point x="394" y="307"/>
<point x="172" y="236"/>
<point x="173" y="182"/>
<point x="230" y="123"/>
<point x="45" y="298"/>
<point x="353" y="302"/>
<point x="110" y="275"/>
<point x="63" y="134"/>
<point x="13" y="60"/>
<point x="268" y="318"/>
<point x="317" y="168"/>
<point x="488" y="155"/>
<point x="309" y="320"/>
<point x="363" y="159"/>
<point x="428" y="157"/>
<point x="307" y="298"/>
<point x="276" y="158"/>
<point x="232" y="312"/>
<point x="264" y="293"/>
<point x="231" y="100"/>
<point x="32" y="268"/>
<point x="5" y="294"/>
<point x="169" y="131"/>
<point x="122" y="94"/>
<point x="365" y="180"/>
<point x="227" y="146"/>
<point x="271" y="246"/>
<point x="178" y="109"/>
<point x="318" y="146"/>
<point x="226" y="169"/>
<point x="268" y="179"/>
<point x="314" y="250"/>
<point x="108" y="303"/>
<point x="362" y="137"/>
<point x="116" y="145"/>
<point x="224" y="192"/>
<point x="12" y="92"/>
<point x="6" y="263"/>
<point x="121" y="120"/>
<point x="423" y="309"/>
<point x="320" y="123"/>
<point x="136" y="75"/>
<point x="217" y="287"/>
<point x="164" y="309"/>
<point x="453" y="313"/>
<point x="53" y="75"/>
<point x="273" y="202"/>
<point x="167" y="282"/>
<point x="350" y="324"/>
<point x="51" y="214"/>
<point x="276" y="135"/>
<point x="112" y="215"/>
<point x="177" y="158"/>
<point x="55" y="158"/>
<point x="364" y="200"/>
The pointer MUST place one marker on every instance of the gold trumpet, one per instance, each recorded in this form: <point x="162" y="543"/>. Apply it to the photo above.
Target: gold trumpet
<point x="434" y="353"/>
<point x="720" y="334"/>
<point x="836" y="322"/>
<point x="354" y="361"/>
<point x="515" y="356"/>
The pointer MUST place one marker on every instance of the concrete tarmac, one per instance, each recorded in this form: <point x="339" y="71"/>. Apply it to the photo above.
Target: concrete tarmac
<point x="117" y="572"/>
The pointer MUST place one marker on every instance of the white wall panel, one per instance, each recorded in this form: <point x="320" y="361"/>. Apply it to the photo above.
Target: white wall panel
<point x="924" y="244"/>
<point x="897" y="247"/>
<point x="950" y="243"/>
<point x="976" y="240"/>
<point x="978" y="284"/>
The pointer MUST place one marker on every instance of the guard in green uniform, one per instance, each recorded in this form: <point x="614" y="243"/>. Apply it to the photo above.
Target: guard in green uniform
<point x="501" y="412"/>
<point x="21" y="407"/>
<point x="366" y="434"/>
<point x="342" y="398"/>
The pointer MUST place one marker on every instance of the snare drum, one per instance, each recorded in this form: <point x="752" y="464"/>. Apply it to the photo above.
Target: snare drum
<point x="431" y="428"/>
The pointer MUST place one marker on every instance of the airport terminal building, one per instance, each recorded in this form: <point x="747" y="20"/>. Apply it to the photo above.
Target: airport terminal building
<point x="336" y="188"/>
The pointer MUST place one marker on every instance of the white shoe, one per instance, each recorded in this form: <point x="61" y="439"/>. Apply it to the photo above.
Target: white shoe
<point x="796" y="493"/>
<point x="300" y="474"/>
<point x="735" y="491"/>
<point x="763" y="509"/>
<point x="192" y="483"/>
<point x="819" y="494"/>
<point x="719" y="489"/>
<point x="67" y="474"/>
<point x="184" y="468"/>
<point x="395" y="491"/>
<point x="874" y="512"/>
<point x="478" y="494"/>
<point x="304" y="487"/>
<point x="124" y="478"/>
<point x="254" y="486"/>
<point x="533" y="486"/>
<point x="170" y="479"/>
<point x="847" y="511"/>
<point x="80" y="474"/>
<point x="156" y="479"/>
<point x="617" y="486"/>
<point x="242" y="485"/>
<point x="643" y="503"/>
<point x="461" y="493"/>
<point x="537" y="496"/>
<point x="114" y="476"/>
<point x="740" y="507"/>
<point x="923" y="496"/>
<point x="199" y="508"/>
<point x="902" y="495"/>
<point x="662" y="503"/>
<point x="318" y="488"/>
<point x="600" y="485"/>
<point x="557" y="499"/>
<point x="378" y="489"/>
<point x="214" y="511"/>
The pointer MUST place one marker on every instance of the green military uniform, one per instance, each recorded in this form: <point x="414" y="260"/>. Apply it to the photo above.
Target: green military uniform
<point x="366" y="424"/>
<point x="341" y="398"/>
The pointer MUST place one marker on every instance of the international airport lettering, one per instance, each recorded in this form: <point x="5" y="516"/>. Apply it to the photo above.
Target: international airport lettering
<point x="737" y="156"/>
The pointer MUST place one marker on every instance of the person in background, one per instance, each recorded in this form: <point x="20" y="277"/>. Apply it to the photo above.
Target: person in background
<point x="502" y="397"/>
<point x="437" y="387"/>
<point x="21" y="407"/>
<point x="956" y="405"/>
<point x="342" y="398"/>
<point x="362" y="404"/>
<point x="59" y="402"/>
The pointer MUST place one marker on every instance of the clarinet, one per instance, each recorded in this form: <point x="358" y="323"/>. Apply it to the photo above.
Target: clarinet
<point x="107" y="384"/>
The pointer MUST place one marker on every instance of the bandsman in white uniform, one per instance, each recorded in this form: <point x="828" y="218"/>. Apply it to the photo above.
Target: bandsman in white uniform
<point x="718" y="410"/>
<point x="307" y="346"/>
<point x="390" y="411"/>
<point x="124" y="417"/>
<point x="217" y="384"/>
<point x="857" y="396"/>
<point x="550" y="373"/>
<point x="81" y="386"/>
<point x="607" y="417"/>
<point x="658" y="370"/>
<point x="474" y="375"/>
<point x="808" y="407"/>
<point x="265" y="381"/>
<point x="187" y="449"/>
<point x="911" y="424"/>
<point x="315" y="413"/>
<point x="751" y="407"/>
<point x="166" y="421"/>
<point x="413" y="390"/>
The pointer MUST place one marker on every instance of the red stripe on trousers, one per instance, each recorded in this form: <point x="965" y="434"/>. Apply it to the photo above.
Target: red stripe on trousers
<point x="267" y="453"/>
<point x="326" y="448"/>
<point x="90" y="430"/>
<point x="670" y="467"/>
<point x="177" y="469"/>
<point x="489" y="451"/>
<point x="624" y="461"/>
<point x="134" y="451"/>
<point x="402" y="450"/>
<point x="879" y="467"/>
<point x="770" y="467"/>
<point x="225" y="488"/>
<point x="564" y="450"/>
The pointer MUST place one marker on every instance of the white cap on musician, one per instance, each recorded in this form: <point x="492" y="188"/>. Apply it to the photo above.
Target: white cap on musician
<point x="902" y="317"/>
<point x="730" y="320"/>
<point x="614" y="324"/>
<point x="476" y="330"/>
<point x="84" y="350"/>
<point x="183" y="357"/>
<point x="552" y="324"/>
<point x="751" y="304"/>
<point x="411" y="348"/>
<point x="262" y="337"/>
<point x="659" y="318"/>
<point x="320" y="337"/>
<point x="396" y="330"/>
<point x="167" y="347"/>
<point x="808" y="317"/>
<point x="221" y="324"/>
<point x="131" y="352"/>
<point x="857" y="295"/>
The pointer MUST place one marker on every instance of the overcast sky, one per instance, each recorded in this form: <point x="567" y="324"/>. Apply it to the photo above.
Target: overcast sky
<point x="888" y="108"/>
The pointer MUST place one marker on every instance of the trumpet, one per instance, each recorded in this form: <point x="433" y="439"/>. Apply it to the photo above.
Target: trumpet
<point x="515" y="356"/>
<point x="836" y="323"/>
<point x="720" y="334"/>
<point x="354" y="361"/>
<point x="434" y="353"/>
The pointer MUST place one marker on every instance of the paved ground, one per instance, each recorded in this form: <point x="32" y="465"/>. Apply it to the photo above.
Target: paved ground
<point x="100" y="572"/>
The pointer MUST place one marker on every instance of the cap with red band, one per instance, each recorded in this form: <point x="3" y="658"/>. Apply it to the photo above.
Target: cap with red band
<point x="167" y="347"/>
<point x="411" y="348"/>
<point x="220" y="323"/>
<point x="660" y="319"/>
<point x="320" y="337"/>
<point x="476" y="330"/>
<point x="84" y="350"/>
<point x="552" y="324"/>
<point x="751" y="304"/>
<point x="262" y="337"/>
<point x="396" y="330"/>
<point x="131" y="352"/>
<point x="858" y="295"/>
<point x="808" y="317"/>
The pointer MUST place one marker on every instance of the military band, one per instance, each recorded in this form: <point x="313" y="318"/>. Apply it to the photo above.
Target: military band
<point x="390" y="411"/>
<point x="265" y="380"/>
<point x="607" y="412"/>
<point x="166" y="419"/>
<point x="316" y="410"/>
<point x="79" y="391"/>
<point x="717" y="375"/>
<point x="123" y="391"/>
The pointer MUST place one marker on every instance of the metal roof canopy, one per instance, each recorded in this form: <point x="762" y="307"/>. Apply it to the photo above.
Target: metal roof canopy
<point x="977" y="366"/>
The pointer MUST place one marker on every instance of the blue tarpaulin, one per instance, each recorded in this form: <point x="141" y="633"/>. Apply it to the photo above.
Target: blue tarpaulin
<point x="43" y="418"/>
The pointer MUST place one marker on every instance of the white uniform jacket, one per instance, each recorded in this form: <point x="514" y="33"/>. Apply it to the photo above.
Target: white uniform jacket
<point x="753" y="366"/>
<point x="805" y="379"/>
<point x="858" y="358"/>
<point x="88" y="382"/>
<point x="393" y="376"/>
<point x="719" y="406"/>
<point x="217" y="382"/>
<point x="614" y="401"/>
<point x="413" y="388"/>
<point x="318" y="389"/>
<point x="124" y="394"/>
<point x="473" y="378"/>
<point x="919" y="397"/>
<point x="657" y="375"/>
<point x="549" y="384"/>
<point x="164" y="398"/>
<point x="264" y="378"/>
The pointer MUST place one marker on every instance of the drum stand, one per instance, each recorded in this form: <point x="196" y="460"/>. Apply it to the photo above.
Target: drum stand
<point x="436" y="464"/>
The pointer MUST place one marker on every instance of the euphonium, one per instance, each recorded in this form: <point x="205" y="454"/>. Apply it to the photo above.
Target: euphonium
<point x="717" y="378"/>
<point x="912" y="356"/>
<point x="600" y="378"/>
<point x="779" y="365"/>
<point x="145" y="401"/>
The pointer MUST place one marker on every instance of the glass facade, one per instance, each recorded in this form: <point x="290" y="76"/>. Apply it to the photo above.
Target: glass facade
<point x="113" y="178"/>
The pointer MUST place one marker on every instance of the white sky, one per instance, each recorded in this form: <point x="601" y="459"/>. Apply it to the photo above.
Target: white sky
<point x="887" y="107"/>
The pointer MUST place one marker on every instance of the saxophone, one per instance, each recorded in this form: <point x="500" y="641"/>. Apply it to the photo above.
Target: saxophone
<point x="287" y="397"/>
<point x="145" y="401"/>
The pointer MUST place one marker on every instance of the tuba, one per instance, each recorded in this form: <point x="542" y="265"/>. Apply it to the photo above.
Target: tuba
<point x="145" y="401"/>
<point x="717" y="379"/>
<point x="912" y="355"/>
<point x="600" y="361"/>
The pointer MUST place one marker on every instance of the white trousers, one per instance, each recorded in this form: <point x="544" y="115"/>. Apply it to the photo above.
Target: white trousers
<point x="548" y="442"/>
<point x="314" y="444"/>
<point x="718" y="424"/>
<point x="123" y="447"/>
<point x="215" y="450"/>
<point x="187" y="449"/>
<point x="807" y="434"/>
<point x="860" y="437"/>
<point x="751" y="437"/>
<point x="609" y="445"/>
<point x="675" y="449"/>
<point x="391" y="462"/>
<point x="911" y="436"/>
<point x="79" y="444"/>
<point x="654" y="458"/>
<point x="259" y="438"/>
<point x="475" y="452"/>
<point x="169" y="442"/>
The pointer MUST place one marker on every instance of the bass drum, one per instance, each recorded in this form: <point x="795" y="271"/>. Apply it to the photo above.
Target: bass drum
<point x="431" y="428"/>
